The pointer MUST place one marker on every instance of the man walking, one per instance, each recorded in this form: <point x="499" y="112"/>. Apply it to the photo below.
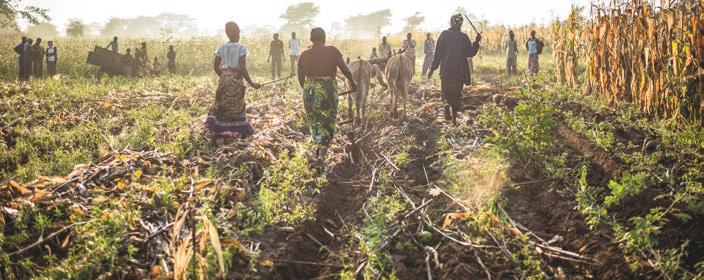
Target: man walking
<point x="52" y="58"/>
<point x="276" y="56"/>
<point x="535" y="47"/>
<point x="429" y="51"/>
<point x="511" y="47"/>
<point x="171" y="56"/>
<point x="38" y="59"/>
<point x="294" y="49"/>
<point x="451" y="52"/>
<point x="19" y="49"/>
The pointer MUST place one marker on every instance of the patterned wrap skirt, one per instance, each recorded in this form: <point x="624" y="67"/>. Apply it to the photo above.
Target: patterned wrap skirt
<point x="533" y="63"/>
<point x="227" y="118"/>
<point x="320" y="101"/>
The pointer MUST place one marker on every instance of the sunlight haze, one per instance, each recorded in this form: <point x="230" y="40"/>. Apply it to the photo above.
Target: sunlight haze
<point x="211" y="15"/>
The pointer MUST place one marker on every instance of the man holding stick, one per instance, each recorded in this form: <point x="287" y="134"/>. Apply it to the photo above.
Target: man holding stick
<point x="451" y="53"/>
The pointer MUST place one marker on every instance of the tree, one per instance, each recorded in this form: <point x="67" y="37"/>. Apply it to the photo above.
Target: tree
<point x="299" y="18"/>
<point x="368" y="25"/>
<point x="9" y="29"/>
<point x="256" y="31"/>
<point x="478" y="23"/>
<point x="10" y="10"/>
<point x="93" y="29"/>
<point x="165" y="25"/>
<point x="75" y="28"/>
<point x="143" y="26"/>
<point x="460" y="10"/>
<point x="43" y="30"/>
<point x="336" y="29"/>
<point x="413" y="22"/>
<point x="114" y="27"/>
<point x="180" y="25"/>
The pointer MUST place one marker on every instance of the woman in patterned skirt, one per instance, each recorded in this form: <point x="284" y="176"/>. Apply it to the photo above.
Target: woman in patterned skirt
<point x="317" y="69"/>
<point x="227" y="118"/>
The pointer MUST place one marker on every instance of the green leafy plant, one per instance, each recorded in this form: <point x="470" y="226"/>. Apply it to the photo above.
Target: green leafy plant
<point x="629" y="185"/>
<point x="285" y="196"/>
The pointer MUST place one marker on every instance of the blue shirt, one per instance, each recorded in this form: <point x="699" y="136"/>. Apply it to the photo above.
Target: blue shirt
<point x="532" y="46"/>
<point x="230" y="54"/>
<point x="451" y="53"/>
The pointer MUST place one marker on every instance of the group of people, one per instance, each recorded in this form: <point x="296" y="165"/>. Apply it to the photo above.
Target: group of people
<point x="317" y="68"/>
<point x="277" y="54"/>
<point x="140" y="64"/>
<point x="534" y="46"/>
<point x="409" y="49"/>
<point x="32" y="56"/>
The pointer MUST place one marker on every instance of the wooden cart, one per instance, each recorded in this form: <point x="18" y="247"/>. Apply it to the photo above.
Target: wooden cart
<point x="110" y="63"/>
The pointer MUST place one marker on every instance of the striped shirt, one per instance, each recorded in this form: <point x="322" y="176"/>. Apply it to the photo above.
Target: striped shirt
<point x="230" y="54"/>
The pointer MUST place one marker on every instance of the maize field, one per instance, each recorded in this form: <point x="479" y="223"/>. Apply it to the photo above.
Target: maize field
<point x="650" y="55"/>
<point x="541" y="177"/>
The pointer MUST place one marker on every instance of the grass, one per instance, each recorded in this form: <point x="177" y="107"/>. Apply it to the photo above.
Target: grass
<point x="524" y="134"/>
<point x="284" y="195"/>
<point x="74" y="120"/>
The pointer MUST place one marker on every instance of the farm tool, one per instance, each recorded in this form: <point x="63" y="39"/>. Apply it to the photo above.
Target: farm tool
<point x="278" y="80"/>
<point x="472" y="24"/>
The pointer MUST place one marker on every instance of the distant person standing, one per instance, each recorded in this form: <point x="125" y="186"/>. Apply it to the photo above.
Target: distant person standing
<point x="141" y="58"/>
<point x="171" y="56"/>
<point x="156" y="67"/>
<point x="429" y="51"/>
<point x="38" y="59"/>
<point x="409" y="49"/>
<point x="294" y="50"/>
<point x="113" y="45"/>
<point x="511" y="47"/>
<point x="227" y="118"/>
<point x="376" y="69"/>
<point x="19" y="49"/>
<point x="384" y="48"/>
<point x="27" y="60"/>
<point x="128" y="63"/>
<point x="452" y="51"/>
<point x="317" y="72"/>
<point x="276" y="56"/>
<point x="52" y="57"/>
<point x="535" y="48"/>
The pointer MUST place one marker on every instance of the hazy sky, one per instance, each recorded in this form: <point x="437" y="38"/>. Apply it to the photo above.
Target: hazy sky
<point x="212" y="14"/>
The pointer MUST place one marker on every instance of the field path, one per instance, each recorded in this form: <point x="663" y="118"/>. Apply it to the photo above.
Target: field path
<point x="319" y="248"/>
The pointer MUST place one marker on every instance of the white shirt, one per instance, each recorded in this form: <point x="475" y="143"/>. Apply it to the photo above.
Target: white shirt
<point x="50" y="51"/>
<point x="294" y="47"/>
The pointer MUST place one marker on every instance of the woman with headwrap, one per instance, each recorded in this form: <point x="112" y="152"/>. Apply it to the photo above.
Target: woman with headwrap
<point x="451" y="53"/>
<point x="317" y="69"/>
<point x="227" y="118"/>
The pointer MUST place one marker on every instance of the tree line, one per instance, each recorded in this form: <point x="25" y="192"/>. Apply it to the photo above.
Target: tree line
<point x="298" y="18"/>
